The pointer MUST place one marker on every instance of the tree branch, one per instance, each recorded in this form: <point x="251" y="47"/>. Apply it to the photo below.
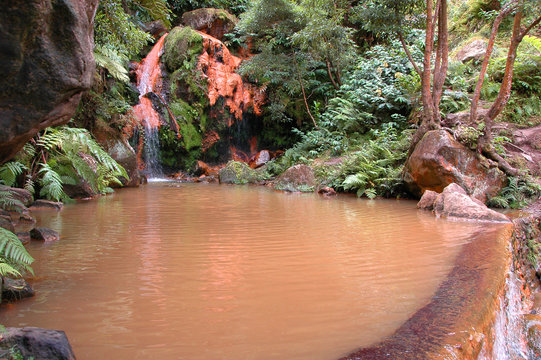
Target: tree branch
<point x="408" y="53"/>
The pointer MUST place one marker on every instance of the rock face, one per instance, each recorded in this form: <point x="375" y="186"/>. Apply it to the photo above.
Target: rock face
<point x="215" y="22"/>
<point x="47" y="62"/>
<point x="453" y="202"/>
<point x="296" y="178"/>
<point x="475" y="50"/>
<point x="36" y="343"/>
<point x="438" y="160"/>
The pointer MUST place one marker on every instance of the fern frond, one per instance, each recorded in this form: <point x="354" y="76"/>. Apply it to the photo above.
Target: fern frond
<point x="13" y="256"/>
<point x="158" y="9"/>
<point x="51" y="184"/>
<point x="111" y="60"/>
<point x="9" y="172"/>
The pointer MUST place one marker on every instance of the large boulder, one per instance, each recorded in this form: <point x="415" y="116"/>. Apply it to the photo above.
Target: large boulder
<point x="296" y="178"/>
<point x="36" y="343"/>
<point x="215" y="22"/>
<point x="454" y="203"/>
<point x="121" y="151"/>
<point x="236" y="172"/>
<point x="474" y="50"/>
<point x="46" y="64"/>
<point x="439" y="160"/>
<point x="183" y="44"/>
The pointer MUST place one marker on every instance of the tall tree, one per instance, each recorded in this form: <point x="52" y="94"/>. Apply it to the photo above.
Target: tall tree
<point x="433" y="79"/>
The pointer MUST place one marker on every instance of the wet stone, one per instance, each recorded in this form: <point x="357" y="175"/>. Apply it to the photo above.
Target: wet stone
<point x="44" y="234"/>
<point x="46" y="204"/>
<point x="16" y="289"/>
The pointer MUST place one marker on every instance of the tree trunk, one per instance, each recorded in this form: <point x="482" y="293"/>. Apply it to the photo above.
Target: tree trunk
<point x="408" y="53"/>
<point x="477" y="93"/>
<point x="329" y="71"/>
<point x="440" y="69"/>
<point x="299" y="78"/>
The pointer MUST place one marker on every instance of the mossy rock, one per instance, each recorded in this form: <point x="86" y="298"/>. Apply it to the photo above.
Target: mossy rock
<point x="236" y="172"/>
<point x="298" y="178"/>
<point x="215" y="22"/>
<point x="182" y="47"/>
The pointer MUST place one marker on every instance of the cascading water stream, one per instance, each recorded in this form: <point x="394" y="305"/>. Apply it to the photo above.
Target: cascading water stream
<point x="149" y="81"/>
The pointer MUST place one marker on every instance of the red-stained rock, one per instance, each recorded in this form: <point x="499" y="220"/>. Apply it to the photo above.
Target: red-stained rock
<point x="427" y="200"/>
<point x="438" y="160"/>
<point x="47" y="63"/>
<point x="260" y="159"/>
<point x="202" y="169"/>
<point x="453" y="202"/>
<point x="327" y="191"/>
<point x="214" y="22"/>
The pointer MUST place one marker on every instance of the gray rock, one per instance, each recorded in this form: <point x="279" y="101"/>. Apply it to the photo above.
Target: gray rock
<point x="236" y="172"/>
<point x="46" y="204"/>
<point x="40" y="344"/>
<point x="474" y="50"/>
<point x="215" y="22"/>
<point x="47" y="63"/>
<point x="16" y="289"/>
<point x="122" y="152"/>
<point x="296" y="178"/>
<point x="453" y="202"/>
<point x="44" y="234"/>
<point x="22" y="195"/>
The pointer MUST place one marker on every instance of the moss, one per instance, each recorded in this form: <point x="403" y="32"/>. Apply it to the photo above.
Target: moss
<point x="236" y="172"/>
<point x="190" y="136"/>
<point x="182" y="47"/>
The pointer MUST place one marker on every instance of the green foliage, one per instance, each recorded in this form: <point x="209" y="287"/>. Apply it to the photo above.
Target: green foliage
<point x="8" y="201"/>
<point x="66" y="155"/>
<point x="372" y="93"/>
<point x="375" y="169"/>
<point x="9" y="172"/>
<point x="234" y="6"/>
<point x="14" y="259"/>
<point x="301" y="45"/>
<point x="517" y="194"/>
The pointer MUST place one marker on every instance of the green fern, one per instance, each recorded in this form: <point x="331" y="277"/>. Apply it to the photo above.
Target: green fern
<point x="8" y="202"/>
<point x="14" y="259"/>
<point x="9" y="172"/>
<point x="111" y="60"/>
<point x="51" y="184"/>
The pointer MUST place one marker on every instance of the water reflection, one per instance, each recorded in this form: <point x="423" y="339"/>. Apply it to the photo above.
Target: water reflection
<point x="214" y="272"/>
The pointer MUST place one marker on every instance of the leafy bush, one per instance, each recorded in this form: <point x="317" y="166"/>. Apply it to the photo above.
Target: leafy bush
<point x="372" y="93"/>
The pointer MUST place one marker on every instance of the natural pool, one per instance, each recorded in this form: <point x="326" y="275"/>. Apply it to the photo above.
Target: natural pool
<point x="192" y="271"/>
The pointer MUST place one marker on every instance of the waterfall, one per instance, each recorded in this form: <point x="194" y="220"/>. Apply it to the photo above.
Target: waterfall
<point x="149" y="81"/>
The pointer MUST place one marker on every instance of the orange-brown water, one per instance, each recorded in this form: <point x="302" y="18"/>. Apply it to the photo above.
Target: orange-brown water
<point x="185" y="271"/>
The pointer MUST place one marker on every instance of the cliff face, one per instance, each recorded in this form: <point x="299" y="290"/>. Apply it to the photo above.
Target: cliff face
<point x="46" y="63"/>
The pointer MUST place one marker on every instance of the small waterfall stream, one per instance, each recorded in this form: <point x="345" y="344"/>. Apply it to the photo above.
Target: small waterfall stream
<point x="149" y="81"/>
